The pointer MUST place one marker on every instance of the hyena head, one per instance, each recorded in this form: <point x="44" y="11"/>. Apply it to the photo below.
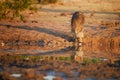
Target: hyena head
<point x="77" y="22"/>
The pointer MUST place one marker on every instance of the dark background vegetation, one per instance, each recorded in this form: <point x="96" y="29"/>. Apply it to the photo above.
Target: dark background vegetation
<point x="10" y="9"/>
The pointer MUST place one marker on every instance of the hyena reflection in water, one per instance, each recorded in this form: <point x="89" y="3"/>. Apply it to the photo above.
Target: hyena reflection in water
<point x="79" y="55"/>
<point x="77" y="25"/>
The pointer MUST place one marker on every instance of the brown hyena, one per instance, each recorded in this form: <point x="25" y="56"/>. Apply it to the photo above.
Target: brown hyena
<point x="77" y="23"/>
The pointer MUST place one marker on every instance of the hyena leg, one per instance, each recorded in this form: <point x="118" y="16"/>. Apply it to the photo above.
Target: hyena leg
<point x="80" y="38"/>
<point x="76" y="41"/>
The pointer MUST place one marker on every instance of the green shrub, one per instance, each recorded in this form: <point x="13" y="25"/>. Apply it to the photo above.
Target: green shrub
<point x="47" y="1"/>
<point x="12" y="8"/>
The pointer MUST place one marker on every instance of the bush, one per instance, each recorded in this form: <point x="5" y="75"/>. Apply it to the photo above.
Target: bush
<point x="47" y="1"/>
<point x="12" y="8"/>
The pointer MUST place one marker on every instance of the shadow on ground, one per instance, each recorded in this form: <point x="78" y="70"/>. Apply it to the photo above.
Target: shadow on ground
<point x="43" y="30"/>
